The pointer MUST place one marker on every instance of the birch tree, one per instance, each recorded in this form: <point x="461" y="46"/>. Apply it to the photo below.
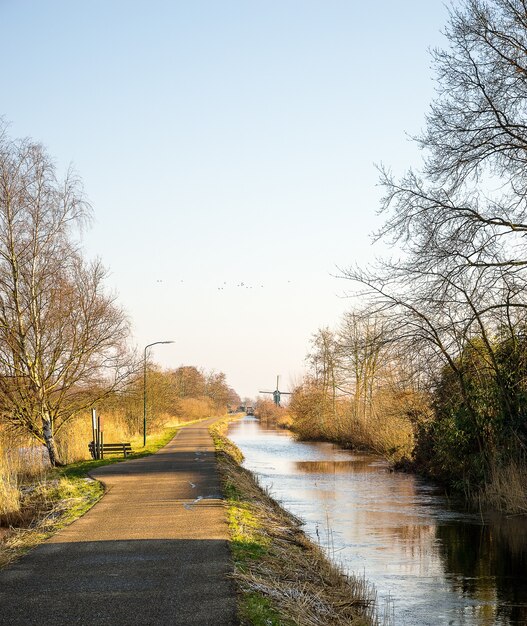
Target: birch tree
<point x="62" y="337"/>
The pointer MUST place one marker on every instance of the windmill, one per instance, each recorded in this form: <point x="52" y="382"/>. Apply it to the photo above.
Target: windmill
<point x="277" y="393"/>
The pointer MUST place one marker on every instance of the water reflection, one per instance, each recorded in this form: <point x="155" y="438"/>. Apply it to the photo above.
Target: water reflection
<point x="333" y="467"/>
<point x="489" y="562"/>
<point x="436" y="564"/>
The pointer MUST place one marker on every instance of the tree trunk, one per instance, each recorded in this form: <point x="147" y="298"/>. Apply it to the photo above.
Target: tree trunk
<point x="50" y="443"/>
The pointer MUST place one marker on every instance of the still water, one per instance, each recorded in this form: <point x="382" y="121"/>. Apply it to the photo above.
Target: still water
<point x="432" y="564"/>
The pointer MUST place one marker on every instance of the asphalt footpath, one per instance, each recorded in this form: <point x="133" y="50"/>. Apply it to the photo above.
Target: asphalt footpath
<point x="153" y="550"/>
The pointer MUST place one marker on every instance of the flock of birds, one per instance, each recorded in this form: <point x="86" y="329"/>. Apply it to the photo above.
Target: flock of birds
<point x="225" y="285"/>
<point x="239" y="285"/>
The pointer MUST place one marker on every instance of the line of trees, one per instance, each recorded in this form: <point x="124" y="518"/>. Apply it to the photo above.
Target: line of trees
<point x="453" y="297"/>
<point x="184" y="393"/>
<point x="361" y="389"/>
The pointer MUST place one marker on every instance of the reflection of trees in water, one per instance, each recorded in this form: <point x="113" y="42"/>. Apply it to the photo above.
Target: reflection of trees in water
<point x="489" y="562"/>
<point x="415" y="539"/>
<point x="386" y="506"/>
<point x="337" y="467"/>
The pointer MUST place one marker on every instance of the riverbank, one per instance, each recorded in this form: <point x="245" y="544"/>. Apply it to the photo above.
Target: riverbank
<point x="431" y="561"/>
<point x="282" y="576"/>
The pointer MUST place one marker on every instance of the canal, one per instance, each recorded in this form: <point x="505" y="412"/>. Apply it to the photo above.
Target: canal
<point x="432" y="563"/>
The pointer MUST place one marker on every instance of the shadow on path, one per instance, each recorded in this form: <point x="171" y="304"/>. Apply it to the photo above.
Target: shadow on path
<point x="119" y="582"/>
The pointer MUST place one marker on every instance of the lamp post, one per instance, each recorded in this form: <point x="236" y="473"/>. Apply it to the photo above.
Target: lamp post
<point x="144" y="387"/>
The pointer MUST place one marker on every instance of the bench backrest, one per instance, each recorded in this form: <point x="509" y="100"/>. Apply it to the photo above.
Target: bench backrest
<point x="125" y="447"/>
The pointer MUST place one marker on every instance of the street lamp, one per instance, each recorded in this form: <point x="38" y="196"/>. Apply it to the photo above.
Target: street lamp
<point x="144" y="387"/>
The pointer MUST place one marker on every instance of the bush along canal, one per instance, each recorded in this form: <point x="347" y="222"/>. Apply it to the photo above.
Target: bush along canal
<point x="432" y="563"/>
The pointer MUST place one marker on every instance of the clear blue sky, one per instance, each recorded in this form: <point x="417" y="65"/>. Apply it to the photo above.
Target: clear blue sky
<point x="224" y="142"/>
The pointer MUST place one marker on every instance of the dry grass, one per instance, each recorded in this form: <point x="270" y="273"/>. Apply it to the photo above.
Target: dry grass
<point x="270" y="414"/>
<point x="506" y="490"/>
<point x="73" y="439"/>
<point x="388" y="435"/>
<point x="383" y="428"/>
<point x="275" y="561"/>
<point x="196" y="408"/>
<point x="45" y="507"/>
<point x="21" y="462"/>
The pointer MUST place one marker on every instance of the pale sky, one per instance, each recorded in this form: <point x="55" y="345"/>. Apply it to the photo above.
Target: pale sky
<point x="221" y="143"/>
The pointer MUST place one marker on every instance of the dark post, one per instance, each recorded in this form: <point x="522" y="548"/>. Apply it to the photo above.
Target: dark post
<point x="97" y="432"/>
<point x="144" y="399"/>
<point x="94" y="430"/>
<point x="99" y="438"/>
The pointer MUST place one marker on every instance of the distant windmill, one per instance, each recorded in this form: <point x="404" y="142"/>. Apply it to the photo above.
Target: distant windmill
<point x="277" y="393"/>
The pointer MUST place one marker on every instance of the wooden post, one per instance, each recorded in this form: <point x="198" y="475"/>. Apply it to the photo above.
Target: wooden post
<point x="99" y="437"/>
<point x="97" y="440"/>
<point x="94" y="431"/>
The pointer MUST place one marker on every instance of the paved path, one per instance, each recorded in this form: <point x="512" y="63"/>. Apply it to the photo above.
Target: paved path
<point x="152" y="551"/>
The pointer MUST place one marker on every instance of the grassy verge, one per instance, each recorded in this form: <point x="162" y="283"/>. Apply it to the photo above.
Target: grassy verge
<point x="282" y="576"/>
<point x="45" y="507"/>
<point x="61" y="496"/>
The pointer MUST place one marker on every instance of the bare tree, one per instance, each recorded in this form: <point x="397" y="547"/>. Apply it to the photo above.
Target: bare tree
<point x="362" y="341"/>
<point x="325" y="363"/>
<point x="459" y="282"/>
<point x="190" y="381"/>
<point x="62" y="337"/>
<point x="468" y="204"/>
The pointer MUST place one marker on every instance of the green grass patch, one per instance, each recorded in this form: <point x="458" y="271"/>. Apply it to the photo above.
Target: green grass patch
<point x="257" y="610"/>
<point x="75" y="496"/>
<point x="246" y="542"/>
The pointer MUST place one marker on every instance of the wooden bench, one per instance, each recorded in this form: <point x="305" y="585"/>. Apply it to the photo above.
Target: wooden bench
<point x="110" y="448"/>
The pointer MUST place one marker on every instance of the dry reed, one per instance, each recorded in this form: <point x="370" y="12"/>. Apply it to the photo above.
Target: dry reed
<point x="21" y="463"/>
<point x="384" y="428"/>
<point x="506" y="489"/>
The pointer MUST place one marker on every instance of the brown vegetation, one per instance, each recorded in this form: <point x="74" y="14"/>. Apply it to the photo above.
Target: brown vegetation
<point x="506" y="488"/>
<point x="360" y="392"/>
<point x="272" y="415"/>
